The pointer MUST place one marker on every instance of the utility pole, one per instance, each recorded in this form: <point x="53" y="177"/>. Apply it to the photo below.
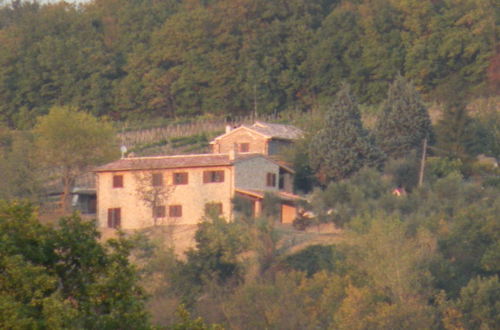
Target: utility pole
<point x="255" y="100"/>
<point x="422" y="163"/>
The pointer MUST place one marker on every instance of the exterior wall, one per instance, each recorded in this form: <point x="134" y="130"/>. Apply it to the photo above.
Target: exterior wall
<point x="287" y="182"/>
<point x="288" y="213"/>
<point x="275" y="147"/>
<point x="258" y="143"/>
<point x="251" y="174"/>
<point x="192" y="196"/>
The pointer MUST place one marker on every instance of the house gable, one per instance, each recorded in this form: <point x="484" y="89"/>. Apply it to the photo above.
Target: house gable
<point x="238" y="137"/>
<point x="265" y="138"/>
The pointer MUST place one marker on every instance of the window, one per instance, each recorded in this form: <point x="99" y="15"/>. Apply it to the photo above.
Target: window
<point x="157" y="180"/>
<point x="244" y="147"/>
<point x="271" y="180"/>
<point x="159" y="211"/>
<point x="175" y="211"/>
<point x="281" y="183"/>
<point x="180" y="178"/>
<point x="114" y="218"/>
<point x="117" y="181"/>
<point x="213" y="208"/>
<point x="213" y="176"/>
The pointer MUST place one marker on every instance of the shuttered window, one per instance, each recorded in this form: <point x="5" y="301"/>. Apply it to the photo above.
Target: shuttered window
<point x="271" y="180"/>
<point x="157" y="180"/>
<point x="159" y="211"/>
<point x="244" y="147"/>
<point x="175" y="211"/>
<point x="114" y="218"/>
<point x="117" y="181"/>
<point x="213" y="176"/>
<point x="180" y="178"/>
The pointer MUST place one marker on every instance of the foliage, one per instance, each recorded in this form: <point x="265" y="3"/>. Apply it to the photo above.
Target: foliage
<point x="456" y="133"/>
<point x="71" y="141"/>
<point x="129" y="59"/>
<point x="243" y="207"/>
<point x="428" y="259"/>
<point x="404" y="171"/>
<point x="64" y="277"/>
<point x="187" y="323"/>
<point x="316" y="258"/>
<point x="215" y="258"/>
<point x="342" y="201"/>
<point x="21" y="172"/>
<point x="440" y="167"/>
<point x="271" y="206"/>
<point x="153" y="194"/>
<point x="479" y="303"/>
<point x="342" y="147"/>
<point x="404" y="122"/>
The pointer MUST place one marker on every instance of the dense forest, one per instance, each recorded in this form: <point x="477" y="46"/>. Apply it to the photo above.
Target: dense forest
<point x="131" y="59"/>
<point x="412" y="196"/>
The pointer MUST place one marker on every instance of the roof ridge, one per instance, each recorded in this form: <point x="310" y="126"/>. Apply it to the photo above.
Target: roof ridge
<point x="172" y="156"/>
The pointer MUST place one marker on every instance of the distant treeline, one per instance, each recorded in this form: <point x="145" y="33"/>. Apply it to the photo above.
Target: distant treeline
<point x="171" y="58"/>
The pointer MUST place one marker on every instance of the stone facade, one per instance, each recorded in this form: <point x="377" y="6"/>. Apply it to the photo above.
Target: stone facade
<point x="237" y="138"/>
<point x="267" y="139"/>
<point x="125" y="188"/>
<point x="253" y="173"/>
<point x="136" y="212"/>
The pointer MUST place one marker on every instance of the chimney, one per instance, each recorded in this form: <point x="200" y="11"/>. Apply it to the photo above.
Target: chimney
<point x="228" y="128"/>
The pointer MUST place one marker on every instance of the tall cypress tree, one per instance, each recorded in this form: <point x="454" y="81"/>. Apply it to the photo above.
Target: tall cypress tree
<point x="456" y="136"/>
<point x="404" y="123"/>
<point x="342" y="147"/>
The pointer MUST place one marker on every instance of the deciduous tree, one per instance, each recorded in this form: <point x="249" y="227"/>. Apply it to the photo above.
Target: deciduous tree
<point x="70" y="141"/>
<point x="64" y="277"/>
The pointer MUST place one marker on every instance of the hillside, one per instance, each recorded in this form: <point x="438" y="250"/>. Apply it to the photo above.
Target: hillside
<point x="140" y="60"/>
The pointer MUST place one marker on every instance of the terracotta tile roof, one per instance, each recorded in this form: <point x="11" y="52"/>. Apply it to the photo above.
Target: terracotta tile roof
<point x="178" y="161"/>
<point x="163" y="162"/>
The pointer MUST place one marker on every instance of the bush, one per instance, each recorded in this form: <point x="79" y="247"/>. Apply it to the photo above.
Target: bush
<point x="315" y="258"/>
<point x="302" y="223"/>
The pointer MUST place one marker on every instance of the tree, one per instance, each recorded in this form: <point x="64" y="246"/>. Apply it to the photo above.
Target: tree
<point x="479" y="303"/>
<point x="404" y="123"/>
<point x="153" y="192"/>
<point x="20" y="170"/>
<point x="64" y="277"/>
<point x="455" y="131"/>
<point x="70" y="141"/>
<point x="218" y="244"/>
<point x="343" y="146"/>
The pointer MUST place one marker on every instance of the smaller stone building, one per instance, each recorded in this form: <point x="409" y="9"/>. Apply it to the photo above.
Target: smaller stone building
<point x="139" y="192"/>
<point x="265" y="138"/>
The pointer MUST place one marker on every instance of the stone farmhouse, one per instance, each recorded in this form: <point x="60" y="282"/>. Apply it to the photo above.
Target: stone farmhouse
<point x="139" y="192"/>
<point x="265" y="138"/>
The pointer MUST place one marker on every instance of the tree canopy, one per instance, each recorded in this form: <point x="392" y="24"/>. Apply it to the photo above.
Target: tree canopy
<point x="404" y="123"/>
<point x="71" y="140"/>
<point x="342" y="146"/>
<point x="172" y="58"/>
<point x="64" y="277"/>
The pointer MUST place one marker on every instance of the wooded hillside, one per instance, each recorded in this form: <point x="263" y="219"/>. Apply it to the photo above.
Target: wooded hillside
<point x="128" y="59"/>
